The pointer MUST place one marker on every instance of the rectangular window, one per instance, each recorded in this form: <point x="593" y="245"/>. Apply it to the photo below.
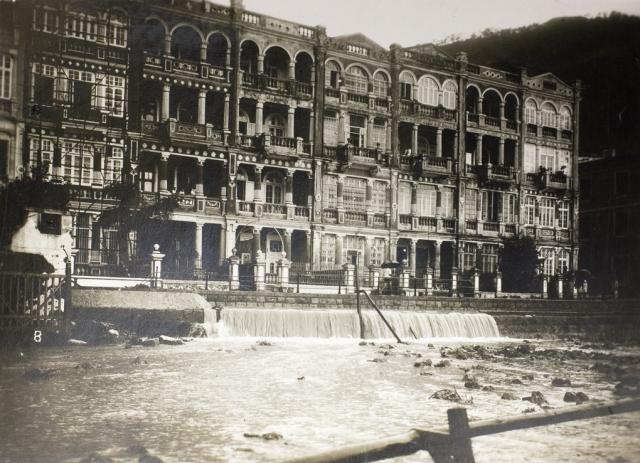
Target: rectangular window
<point x="530" y="210"/>
<point x="147" y="181"/>
<point x="491" y="206"/>
<point x="548" y="266"/>
<point x="82" y="231"/>
<point x="563" y="261"/>
<point x="4" y="157"/>
<point x="330" y="192"/>
<point x="404" y="198"/>
<point x="379" y="135"/>
<point x="6" y="62"/>
<point x="351" y="246"/>
<point x="406" y="91"/>
<point x="357" y="130"/>
<point x="113" y="164"/>
<point x="377" y="251"/>
<point x="446" y="203"/>
<point x="563" y="214"/>
<point x="331" y="129"/>
<point x="530" y="115"/>
<point x="354" y="194"/>
<point x="471" y="204"/>
<point x="508" y="208"/>
<point x="334" y="78"/>
<point x="379" y="197"/>
<point x="328" y="249"/>
<point x="489" y="261"/>
<point x="468" y="256"/>
<point x="530" y="158"/>
<point x="547" y="212"/>
<point x="77" y="163"/>
<point x="427" y="200"/>
<point x="547" y="158"/>
<point x="43" y="90"/>
<point x="114" y="95"/>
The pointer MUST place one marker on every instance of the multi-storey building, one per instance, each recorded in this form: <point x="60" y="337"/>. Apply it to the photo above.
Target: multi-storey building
<point x="279" y="138"/>
<point x="609" y="223"/>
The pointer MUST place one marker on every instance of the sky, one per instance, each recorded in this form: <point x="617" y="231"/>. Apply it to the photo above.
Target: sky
<point x="409" y="22"/>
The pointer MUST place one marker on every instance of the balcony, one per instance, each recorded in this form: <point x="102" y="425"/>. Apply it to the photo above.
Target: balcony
<point x="379" y="221"/>
<point x="281" y="86"/>
<point x="283" y="146"/>
<point x="350" y="154"/>
<point x="449" y="225"/>
<point x="187" y="132"/>
<point x="429" y="165"/>
<point x="493" y="173"/>
<point x="427" y="223"/>
<point x="332" y="93"/>
<point x="245" y="207"/>
<point x="301" y="213"/>
<point x="492" y="122"/>
<point x="405" y="221"/>
<point x="274" y="210"/>
<point x="355" y="218"/>
<point x="330" y="215"/>
<point x="490" y="227"/>
<point x="550" y="181"/>
<point x="549" y="132"/>
<point x="421" y="111"/>
<point x="213" y="206"/>
<point x="187" y="68"/>
<point x="84" y="114"/>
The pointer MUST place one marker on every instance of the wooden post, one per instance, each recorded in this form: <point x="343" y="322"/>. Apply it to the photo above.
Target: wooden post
<point x="460" y="440"/>
<point x="68" y="304"/>
<point x="358" y="297"/>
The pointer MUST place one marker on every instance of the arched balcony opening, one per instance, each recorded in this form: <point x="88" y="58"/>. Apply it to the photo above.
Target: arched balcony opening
<point x="184" y="104"/>
<point x="244" y="185"/>
<point x="511" y="107"/>
<point x="217" y="50"/>
<point x="246" y="117"/>
<point x="301" y="189"/>
<point x="277" y="63"/>
<point x="275" y="124"/>
<point x="249" y="57"/>
<point x="428" y="91"/>
<point x="472" y="96"/>
<point x="380" y="85"/>
<point x="491" y="104"/>
<point x="357" y="80"/>
<point x="332" y="75"/>
<point x="449" y="95"/>
<point x="548" y="115"/>
<point x="304" y="68"/>
<point x="152" y="37"/>
<point x="214" y="113"/>
<point x="407" y="83"/>
<point x="186" y="44"/>
<point x="150" y="101"/>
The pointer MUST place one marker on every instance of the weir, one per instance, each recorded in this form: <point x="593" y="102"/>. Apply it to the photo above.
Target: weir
<point x="336" y="323"/>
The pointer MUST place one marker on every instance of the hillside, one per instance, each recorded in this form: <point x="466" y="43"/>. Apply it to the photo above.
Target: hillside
<point x="603" y="52"/>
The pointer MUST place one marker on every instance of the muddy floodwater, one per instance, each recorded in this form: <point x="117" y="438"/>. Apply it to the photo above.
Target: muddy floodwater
<point x="204" y="400"/>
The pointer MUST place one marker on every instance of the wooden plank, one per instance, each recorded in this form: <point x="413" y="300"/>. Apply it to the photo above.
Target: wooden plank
<point x="460" y="441"/>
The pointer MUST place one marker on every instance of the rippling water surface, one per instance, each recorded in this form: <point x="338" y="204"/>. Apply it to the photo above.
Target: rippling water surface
<point x="194" y="403"/>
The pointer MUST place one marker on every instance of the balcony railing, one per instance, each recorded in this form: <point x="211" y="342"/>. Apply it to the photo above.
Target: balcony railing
<point x="549" y="132"/>
<point x="532" y="129"/>
<point x="213" y="206"/>
<point x="497" y="173"/>
<point x="303" y="89"/>
<point x="492" y="121"/>
<point x="567" y="135"/>
<point x="274" y="209"/>
<point x="435" y="164"/>
<point x="510" y="228"/>
<point x="512" y="125"/>
<point x="358" y="98"/>
<point x="330" y="215"/>
<point x="473" y="118"/>
<point x="380" y="221"/>
<point x="332" y="92"/>
<point x="189" y="131"/>
<point x="471" y="225"/>
<point x="246" y="207"/>
<point x="360" y="154"/>
<point x="492" y="227"/>
<point x="413" y="108"/>
<point x="449" y="225"/>
<point x="355" y="218"/>
<point x="84" y="114"/>
<point x="301" y="212"/>
<point x="280" y="145"/>
<point x="405" y="221"/>
<point x="427" y="223"/>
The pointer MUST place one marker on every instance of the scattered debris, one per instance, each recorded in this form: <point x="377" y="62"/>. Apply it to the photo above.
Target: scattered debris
<point x="470" y="381"/>
<point x="265" y="436"/>
<point x="84" y="366"/>
<point x="529" y="410"/>
<point x="377" y="360"/>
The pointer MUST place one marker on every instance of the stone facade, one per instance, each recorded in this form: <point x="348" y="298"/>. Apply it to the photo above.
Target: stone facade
<point x="280" y="139"/>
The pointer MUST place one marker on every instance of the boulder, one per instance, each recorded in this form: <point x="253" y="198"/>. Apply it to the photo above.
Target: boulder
<point x="470" y="381"/>
<point x="442" y="364"/>
<point x="509" y="396"/>
<point x="536" y="398"/>
<point x="424" y="363"/>
<point x="168" y="340"/>
<point x="447" y="394"/>
<point x="569" y="397"/>
<point x="149" y="342"/>
<point x="581" y="397"/>
<point x="560" y="382"/>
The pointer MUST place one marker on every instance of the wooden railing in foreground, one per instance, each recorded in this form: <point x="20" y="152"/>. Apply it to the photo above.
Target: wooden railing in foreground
<point x="453" y="443"/>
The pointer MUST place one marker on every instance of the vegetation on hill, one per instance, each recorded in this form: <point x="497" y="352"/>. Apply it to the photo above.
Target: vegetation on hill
<point x="602" y="52"/>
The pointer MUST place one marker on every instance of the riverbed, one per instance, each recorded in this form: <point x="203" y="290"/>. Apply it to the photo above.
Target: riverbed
<point x="206" y="399"/>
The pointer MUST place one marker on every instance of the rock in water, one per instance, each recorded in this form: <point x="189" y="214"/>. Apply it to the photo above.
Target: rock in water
<point x="447" y="394"/>
<point x="470" y="381"/>
<point x="509" y="396"/>
<point x="424" y="363"/>
<point x="149" y="342"/>
<point x="569" y="397"/>
<point x="581" y="397"/>
<point x="536" y="398"/>
<point x="265" y="436"/>
<point x="559" y="382"/>
<point x="442" y="364"/>
<point x="170" y="341"/>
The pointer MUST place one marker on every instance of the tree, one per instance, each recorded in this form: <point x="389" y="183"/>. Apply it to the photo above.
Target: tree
<point x="518" y="264"/>
<point x="133" y="212"/>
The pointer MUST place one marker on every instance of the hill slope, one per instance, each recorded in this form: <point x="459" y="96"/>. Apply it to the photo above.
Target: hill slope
<point x="603" y="52"/>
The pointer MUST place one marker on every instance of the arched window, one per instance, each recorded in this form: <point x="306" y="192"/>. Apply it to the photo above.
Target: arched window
<point x="428" y="91"/>
<point x="565" y="118"/>
<point x="530" y="111"/>
<point x="332" y="75"/>
<point x="380" y="85"/>
<point x="406" y="86"/>
<point x="273" y="188"/>
<point x="449" y="95"/>
<point x="548" y="115"/>
<point x="241" y="185"/>
<point x="275" y="125"/>
<point x="357" y="80"/>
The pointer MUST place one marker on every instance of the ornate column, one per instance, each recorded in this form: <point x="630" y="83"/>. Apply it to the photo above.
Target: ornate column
<point x="164" y="108"/>
<point x="478" y="153"/>
<point x="342" y="139"/>
<point x="501" y="152"/>
<point x="412" y="255"/>
<point x="203" y="51"/>
<point x="292" y="70"/>
<point x="162" y="172"/>
<point x="259" y="117"/>
<point x="225" y="117"/>
<point x="256" y="243"/>
<point x="516" y="148"/>
<point x="288" y="187"/>
<point x="258" y="194"/>
<point x="309" y="248"/>
<point x="167" y="44"/>
<point x="291" y="112"/>
<point x="439" y="142"/>
<point x="197" y="247"/>
<point x="367" y="252"/>
<point x="414" y="140"/>
<point x="200" y="176"/>
<point x="312" y="117"/>
<point x="286" y="236"/>
<point x="202" y="105"/>
<point x="436" y="259"/>
<point x="260" y="64"/>
<point x="479" y="106"/>
<point x="370" y="132"/>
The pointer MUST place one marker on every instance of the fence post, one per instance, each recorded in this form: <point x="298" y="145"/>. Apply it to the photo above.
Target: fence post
<point x="454" y="281"/>
<point x="283" y="274"/>
<point x="476" y="283"/>
<point x="460" y="441"/>
<point x="234" y="273"/>
<point x="259" y="270"/>
<point x="544" y="282"/>
<point x="156" y="266"/>
<point x="429" y="283"/>
<point x="298" y="284"/>
<point x="560" y="287"/>
<point x="348" y="277"/>
<point x="498" y="284"/>
<point x="68" y="302"/>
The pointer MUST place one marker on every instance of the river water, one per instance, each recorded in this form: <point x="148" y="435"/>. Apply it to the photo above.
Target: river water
<point x="196" y="402"/>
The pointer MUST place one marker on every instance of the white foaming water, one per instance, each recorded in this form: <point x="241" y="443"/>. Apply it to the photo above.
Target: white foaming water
<point x="336" y="323"/>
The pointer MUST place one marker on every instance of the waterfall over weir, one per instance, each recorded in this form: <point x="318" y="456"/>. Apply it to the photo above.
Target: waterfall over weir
<point x="327" y="323"/>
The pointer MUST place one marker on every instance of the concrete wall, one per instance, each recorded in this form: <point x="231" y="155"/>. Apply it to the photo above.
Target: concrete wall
<point x="595" y="319"/>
